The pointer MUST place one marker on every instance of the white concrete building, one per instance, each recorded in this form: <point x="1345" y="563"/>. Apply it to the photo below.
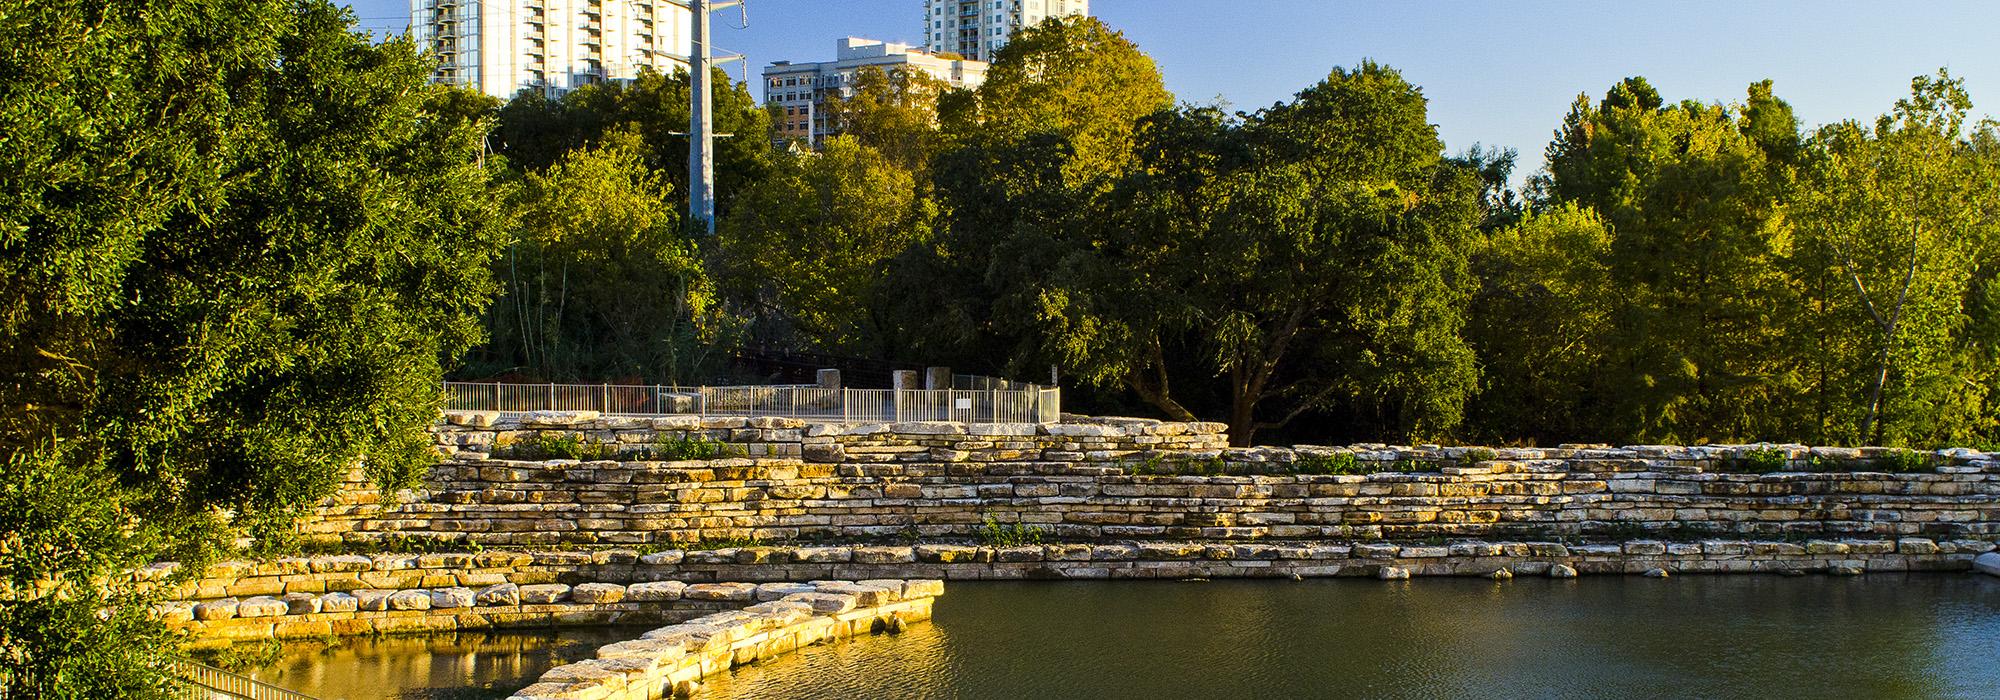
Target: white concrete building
<point x="977" y="28"/>
<point x="501" y="47"/>
<point x="799" y="91"/>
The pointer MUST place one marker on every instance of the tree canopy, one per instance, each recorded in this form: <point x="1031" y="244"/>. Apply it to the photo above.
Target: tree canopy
<point x="238" y="245"/>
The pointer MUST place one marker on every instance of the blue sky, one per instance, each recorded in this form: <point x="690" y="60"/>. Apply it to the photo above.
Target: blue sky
<point x="1500" y="73"/>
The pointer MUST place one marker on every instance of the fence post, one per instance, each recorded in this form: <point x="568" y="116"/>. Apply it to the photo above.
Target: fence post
<point x="552" y="396"/>
<point x="604" y="399"/>
<point x="496" y="397"/>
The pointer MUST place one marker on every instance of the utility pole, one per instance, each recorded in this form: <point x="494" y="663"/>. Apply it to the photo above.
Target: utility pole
<point x="701" y="126"/>
<point x="701" y="129"/>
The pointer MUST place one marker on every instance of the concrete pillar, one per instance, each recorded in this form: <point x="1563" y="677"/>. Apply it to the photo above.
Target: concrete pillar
<point x="937" y="378"/>
<point x="828" y="379"/>
<point x="902" y="380"/>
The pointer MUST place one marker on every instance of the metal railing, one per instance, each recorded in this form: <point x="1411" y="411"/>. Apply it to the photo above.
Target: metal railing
<point x="203" y="682"/>
<point x="1026" y="404"/>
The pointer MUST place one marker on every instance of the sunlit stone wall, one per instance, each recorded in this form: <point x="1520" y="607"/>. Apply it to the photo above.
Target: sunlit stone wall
<point x="1124" y="480"/>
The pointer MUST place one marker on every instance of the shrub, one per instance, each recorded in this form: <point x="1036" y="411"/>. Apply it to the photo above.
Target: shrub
<point x="1477" y="455"/>
<point x="1758" y="460"/>
<point x="1906" y="461"/>
<point x="1325" y="463"/>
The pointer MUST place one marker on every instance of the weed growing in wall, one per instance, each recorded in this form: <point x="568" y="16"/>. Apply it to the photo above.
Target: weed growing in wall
<point x="1761" y="460"/>
<point x="997" y="534"/>
<point x="553" y="446"/>
<point x="1183" y="465"/>
<point x="681" y="448"/>
<point x="1478" y="454"/>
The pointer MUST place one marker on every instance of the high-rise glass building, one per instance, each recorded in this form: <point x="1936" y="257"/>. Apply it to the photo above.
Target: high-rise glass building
<point x="501" y="47"/>
<point x="977" y="28"/>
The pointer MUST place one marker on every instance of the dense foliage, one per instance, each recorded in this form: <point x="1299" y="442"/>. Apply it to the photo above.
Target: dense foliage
<point x="1324" y="269"/>
<point x="237" y="243"/>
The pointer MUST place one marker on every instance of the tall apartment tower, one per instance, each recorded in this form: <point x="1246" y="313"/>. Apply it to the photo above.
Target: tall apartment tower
<point x="977" y="28"/>
<point x="501" y="47"/>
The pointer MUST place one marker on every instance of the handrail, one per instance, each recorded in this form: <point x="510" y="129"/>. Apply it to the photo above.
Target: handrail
<point x="999" y="403"/>
<point x="204" y="682"/>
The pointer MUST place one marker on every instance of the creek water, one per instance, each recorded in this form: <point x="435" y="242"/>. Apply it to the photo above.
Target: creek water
<point x="1874" y="636"/>
<point x="458" y="666"/>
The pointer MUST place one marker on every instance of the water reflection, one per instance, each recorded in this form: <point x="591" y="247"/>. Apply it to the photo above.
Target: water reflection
<point x="1881" y="635"/>
<point x="458" y="666"/>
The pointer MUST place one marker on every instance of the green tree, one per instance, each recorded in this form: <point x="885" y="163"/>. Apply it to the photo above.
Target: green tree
<point x="1692" y="194"/>
<point x="1902" y="213"/>
<point x="1073" y="78"/>
<point x="809" y="250"/>
<point x="1305" y="260"/>
<point x="600" y="279"/>
<point x="1538" y="325"/>
<point x="894" y="112"/>
<point x="536" y="131"/>
<point x="1025" y="156"/>
<point x="237" y="244"/>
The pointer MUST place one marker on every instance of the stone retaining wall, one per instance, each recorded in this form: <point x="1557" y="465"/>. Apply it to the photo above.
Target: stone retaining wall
<point x="1077" y="482"/>
<point x="372" y="611"/>
<point x="671" y="661"/>
<point x="478" y="572"/>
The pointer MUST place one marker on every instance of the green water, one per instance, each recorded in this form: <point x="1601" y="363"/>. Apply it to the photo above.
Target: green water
<point x="1875" y="636"/>
<point x="462" y="666"/>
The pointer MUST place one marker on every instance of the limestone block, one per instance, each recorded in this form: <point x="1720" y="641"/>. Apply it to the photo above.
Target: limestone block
<point x="655" y="591"/>
<point x="823" y="555"/>
<point x="174" y="612"/>
<point x="893" y="585"/>
<point x="1916" y="545"/>
<point x="945" y="553"/>
<point x="373" y="599"/>
<point x="339" y="602"/>
<point x="1392" y="573"/>
<point x="778" y="591"/>
<point x="825" y="603"/>
<point x="343" y="563"/>
<point x="410" y="600"/>
<point x="662" y="651"/>
<point x="595" y="593"/>
<point x="557" y="419"/>
<point x="261" y="606"/>
<point x="454" y="597"/>
<point x="922" y="588"/>
<point x="864" y="596"/>
<point x="1987" y="563"/>
<point x="884" y="555"/>
<point x="734" y="592"/>
<point x="544" y="593"/>
<point x="302" y="604"/>
<point x="667" y="558"/>
<point x="1562" y="571"/>
<point x="502" y="594"/>
<point x="216" y="609"/>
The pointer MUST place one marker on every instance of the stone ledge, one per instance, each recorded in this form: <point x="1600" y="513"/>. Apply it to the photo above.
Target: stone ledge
<point x="671" y="661"/>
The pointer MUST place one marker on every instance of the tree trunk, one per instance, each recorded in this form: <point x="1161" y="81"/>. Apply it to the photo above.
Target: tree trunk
<point x="1242" y="420"/>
